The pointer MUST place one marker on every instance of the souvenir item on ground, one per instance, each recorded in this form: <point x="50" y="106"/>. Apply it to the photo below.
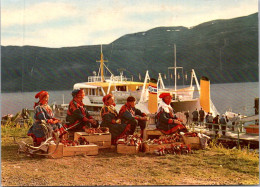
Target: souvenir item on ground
<point x="96" y="130"/>
<point x="174" y="149"/>
<point x="80" y="141"/>
<point x="166" y="139"/>
<point x="191" y="134"/>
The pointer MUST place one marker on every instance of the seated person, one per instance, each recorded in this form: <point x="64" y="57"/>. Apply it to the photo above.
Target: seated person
<point x="77" y="114"/>
<point x="133" y="116"/>
<point x="43" y="113"/>
<point x="167" y="122"/>
<point x="110" y="119"/>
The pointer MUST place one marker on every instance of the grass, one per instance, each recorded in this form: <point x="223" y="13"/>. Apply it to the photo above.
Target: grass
<point x="214" y="166"/>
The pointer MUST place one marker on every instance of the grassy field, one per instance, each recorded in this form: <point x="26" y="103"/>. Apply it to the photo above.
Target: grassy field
<point x="214" y="166"/>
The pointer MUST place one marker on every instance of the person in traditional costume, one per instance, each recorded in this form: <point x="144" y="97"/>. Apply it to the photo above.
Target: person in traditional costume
<point x="78" y="117"/>
<point x="133" y="116"/>
<point x="110" y="119"/>
<point x="43" y="114"/>
<point x="167" y="122"/>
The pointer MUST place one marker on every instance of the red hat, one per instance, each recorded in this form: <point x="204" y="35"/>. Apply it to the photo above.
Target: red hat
<point x="41" y="95"/>
<point x="163" y="95"/>
<point x="107" y="97"/>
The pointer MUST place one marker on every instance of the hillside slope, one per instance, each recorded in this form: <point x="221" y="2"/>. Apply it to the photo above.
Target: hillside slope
<point x="223" y="50"/>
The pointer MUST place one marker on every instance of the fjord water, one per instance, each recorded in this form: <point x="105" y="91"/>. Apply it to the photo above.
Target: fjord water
<point x="236" y="96"/>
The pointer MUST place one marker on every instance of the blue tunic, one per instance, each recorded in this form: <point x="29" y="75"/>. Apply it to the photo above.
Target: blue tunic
<point x="109" y="116"/>
<point x="36" y="130"/>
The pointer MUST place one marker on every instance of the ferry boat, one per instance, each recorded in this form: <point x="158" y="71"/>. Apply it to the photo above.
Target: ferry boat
<point x="183" y="99"/>
<point x="100" y="85"/>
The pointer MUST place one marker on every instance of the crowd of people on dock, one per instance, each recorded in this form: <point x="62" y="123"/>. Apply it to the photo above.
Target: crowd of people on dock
<point x="120" y="123"/>
<point x="201" y="118"/>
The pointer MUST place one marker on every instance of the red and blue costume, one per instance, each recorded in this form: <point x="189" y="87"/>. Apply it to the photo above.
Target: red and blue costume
<point x="77" y="113"/>
<point x="109" y="119"/>
<point x="167" y="122"/>
<point x="43" y="113"/>
<point x="131" y="115"/>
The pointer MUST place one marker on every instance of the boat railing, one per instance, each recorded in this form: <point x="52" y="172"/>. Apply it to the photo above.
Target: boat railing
<point x="120" y="79"/>
<point x="112" y="78"/>
<point x="96" y="78"/>
<point x="237" y="131"/>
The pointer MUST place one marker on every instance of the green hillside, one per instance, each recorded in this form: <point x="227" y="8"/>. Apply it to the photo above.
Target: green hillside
<point x="222" y="50"/>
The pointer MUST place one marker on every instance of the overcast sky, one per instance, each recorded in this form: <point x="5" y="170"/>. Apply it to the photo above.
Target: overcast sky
<point x="64" y="23"/>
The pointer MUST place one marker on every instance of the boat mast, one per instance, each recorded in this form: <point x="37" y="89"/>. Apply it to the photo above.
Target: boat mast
<point x="102" y="65"/>
<point x="175" y="69"/>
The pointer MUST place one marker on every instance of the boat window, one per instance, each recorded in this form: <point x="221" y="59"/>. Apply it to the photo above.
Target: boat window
<point x="99" y="92"/>
<point x="121" y="88"/>
<point x="92" y="91"/>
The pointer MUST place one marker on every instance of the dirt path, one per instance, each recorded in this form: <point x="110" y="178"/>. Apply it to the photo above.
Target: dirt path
<point x="110" y="168"/>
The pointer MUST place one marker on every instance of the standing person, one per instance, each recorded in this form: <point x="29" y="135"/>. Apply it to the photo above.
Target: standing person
<point x="133" y="116"/>
<point x="216" y="121"/>
<point x="195" y="116"/>
<point x="202" y="115"/>
<point x="237" y="124"/>
<point x="223" y="124"/>
<point x="187" y="114"/>
<point x="233" y="121"/>
<point x="167" y="122"/>
<point x="77" y="113"/>
<point x="43" y="113"/>
<point x="210" y="120"/>
<point x="110" y="119"/>
<point x="207" y="119"/>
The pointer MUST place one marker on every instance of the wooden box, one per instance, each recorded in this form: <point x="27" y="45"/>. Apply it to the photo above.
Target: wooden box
<point x="58" y="153"/>
<point x="126" y="149"/>
<point x="148" y="132"/>
<point x="90" y="149"/>
<point x="150" y="148"/>
<point x="62" y="151"/>
<point x="69" y="135"/>
<point x="103" y="140"/>
<point x="194" y="142"/>
<point x="252" y="129"/>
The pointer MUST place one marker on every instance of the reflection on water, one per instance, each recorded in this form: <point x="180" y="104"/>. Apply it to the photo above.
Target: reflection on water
<point x="237" y="96"/>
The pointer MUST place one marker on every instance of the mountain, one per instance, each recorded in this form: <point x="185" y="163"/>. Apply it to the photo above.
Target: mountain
<point x="225" y="51"/>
